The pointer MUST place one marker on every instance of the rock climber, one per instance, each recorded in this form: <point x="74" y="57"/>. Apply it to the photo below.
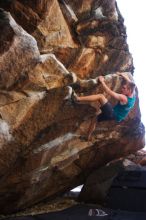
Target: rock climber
<point x="126" y="100"/>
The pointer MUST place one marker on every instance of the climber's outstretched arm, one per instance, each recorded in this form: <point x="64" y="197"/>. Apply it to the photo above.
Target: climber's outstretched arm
<point x="124" y="76"/>
<point x="120" y="97"/>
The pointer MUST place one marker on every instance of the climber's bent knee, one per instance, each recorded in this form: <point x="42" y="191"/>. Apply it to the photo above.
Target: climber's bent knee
<point x="102" y="99"/>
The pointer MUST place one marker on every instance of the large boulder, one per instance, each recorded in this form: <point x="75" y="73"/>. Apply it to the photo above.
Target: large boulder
<point x="41" y="152"/>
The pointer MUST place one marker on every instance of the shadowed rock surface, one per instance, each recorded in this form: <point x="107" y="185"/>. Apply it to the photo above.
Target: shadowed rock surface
<point x="99" y="182"/>
<point x="59" y="43"/>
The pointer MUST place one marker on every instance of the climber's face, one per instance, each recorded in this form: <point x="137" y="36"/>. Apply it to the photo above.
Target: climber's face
<point x="125" y="90"/>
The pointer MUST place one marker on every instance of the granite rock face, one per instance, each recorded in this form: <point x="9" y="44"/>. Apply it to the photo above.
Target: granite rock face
<point x="55" y="44"/>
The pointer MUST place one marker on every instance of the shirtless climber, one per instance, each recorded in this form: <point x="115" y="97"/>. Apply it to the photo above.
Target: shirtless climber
<point x="126" y="101"/>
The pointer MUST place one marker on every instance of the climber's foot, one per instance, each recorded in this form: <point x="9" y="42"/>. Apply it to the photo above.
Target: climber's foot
<point x="74" y="98"/>
<point x="69" y="93"/>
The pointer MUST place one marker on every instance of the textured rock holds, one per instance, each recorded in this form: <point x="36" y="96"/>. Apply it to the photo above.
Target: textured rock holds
<point x="49" y="73"/>
<point x="41" y="152"/>
<point x="45" y="21"/>
<point x="18" y="53"/>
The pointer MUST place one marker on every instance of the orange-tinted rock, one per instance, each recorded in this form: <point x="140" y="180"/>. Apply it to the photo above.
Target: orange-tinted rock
<point x="53" y="29"/>
<point x="19" y="53"/>
<point x="64" y="27"/>
<point x="45" y="21"/>
<point x="84" y="64"/>
<point x="96" y="42"/>
<point x="49" y="73"/>
<point x="81" y="8"/>
<point x="86" y="26"/>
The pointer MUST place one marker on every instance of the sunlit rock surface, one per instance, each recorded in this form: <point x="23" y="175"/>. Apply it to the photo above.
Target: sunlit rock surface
<point x="58" y="43"/>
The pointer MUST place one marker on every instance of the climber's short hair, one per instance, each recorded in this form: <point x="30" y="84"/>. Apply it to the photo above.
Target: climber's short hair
<point x="130" y="85"/>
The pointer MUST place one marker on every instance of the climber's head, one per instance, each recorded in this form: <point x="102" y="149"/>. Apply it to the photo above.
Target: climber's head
<point x="127" y="88"/>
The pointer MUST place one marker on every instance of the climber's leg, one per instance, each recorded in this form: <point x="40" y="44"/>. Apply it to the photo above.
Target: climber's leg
<point x="92" y="98"/>
<point x="92" y="127"/>
<point x="107" y="113"/>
